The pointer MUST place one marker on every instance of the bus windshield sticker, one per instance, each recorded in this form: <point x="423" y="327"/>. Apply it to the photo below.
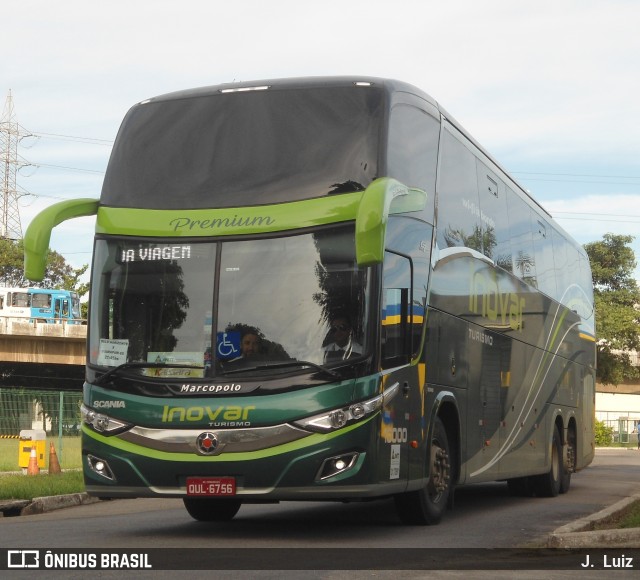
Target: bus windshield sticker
<point x="112" y="352"/>
<point x="394" y="469"/>
<point x="228" y="345"/>
<point x="176" y="358"/>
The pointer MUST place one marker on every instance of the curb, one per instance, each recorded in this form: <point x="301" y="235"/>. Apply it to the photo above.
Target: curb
<point x="40" y="505"/>
<point x="581" y="533"/>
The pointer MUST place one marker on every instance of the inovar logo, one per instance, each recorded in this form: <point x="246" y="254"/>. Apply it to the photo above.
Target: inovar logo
<point x="223" y="416"/>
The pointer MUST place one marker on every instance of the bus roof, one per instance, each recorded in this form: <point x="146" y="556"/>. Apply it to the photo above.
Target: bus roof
<point x="388" y="85"/>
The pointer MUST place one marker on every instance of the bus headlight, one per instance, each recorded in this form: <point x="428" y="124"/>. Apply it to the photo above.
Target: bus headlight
<point x="338" y="418"/>
<point x="101" y="422"/>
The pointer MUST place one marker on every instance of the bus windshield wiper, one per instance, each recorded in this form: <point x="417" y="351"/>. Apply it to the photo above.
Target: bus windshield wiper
<point x="285" y="364"/>
<point x="139" y="365"/>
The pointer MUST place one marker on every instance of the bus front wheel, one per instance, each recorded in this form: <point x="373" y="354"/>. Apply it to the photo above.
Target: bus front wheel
<point x="211" y="510"/>
<point x="426" y="506"/>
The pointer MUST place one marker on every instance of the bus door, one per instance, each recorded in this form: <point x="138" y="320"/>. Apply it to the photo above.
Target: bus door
<point x="61" y="310"/>
<point x="400" y="455"/>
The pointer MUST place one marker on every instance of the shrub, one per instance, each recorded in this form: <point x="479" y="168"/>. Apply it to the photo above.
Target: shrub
<point x="604" y="434"/>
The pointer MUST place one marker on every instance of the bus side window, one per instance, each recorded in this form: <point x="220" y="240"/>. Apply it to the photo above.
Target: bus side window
<point x="459" y="222"/>
<point x="496" y="241"/>
<point x="543" y="248"/>
<point x="521" y="231"/>
<point x="20" y="299"/>
<point x="412" y="153"/>
<point x="396" y="347"/>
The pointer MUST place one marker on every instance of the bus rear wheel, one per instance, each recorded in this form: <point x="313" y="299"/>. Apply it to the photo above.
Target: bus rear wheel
<point x="211" y="510"/>
<point x="426" y="506"/>
<point x="569" y="467"/>
<point x="548" y="484"/>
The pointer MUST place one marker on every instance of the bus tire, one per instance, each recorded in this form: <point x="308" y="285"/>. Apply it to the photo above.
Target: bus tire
<point x="548" y="484"/>
<point x="211" y="510"/>
<point x="567" y="470"/>
<point x="565" y="480"/>
<point x="426" y="506"/>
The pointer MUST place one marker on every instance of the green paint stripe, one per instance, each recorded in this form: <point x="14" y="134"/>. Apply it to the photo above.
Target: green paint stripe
<point x="228" y="221"/>
<point x="558" y="328"/>
<point x="548" y="351"/>
<point x="313" y="439"/>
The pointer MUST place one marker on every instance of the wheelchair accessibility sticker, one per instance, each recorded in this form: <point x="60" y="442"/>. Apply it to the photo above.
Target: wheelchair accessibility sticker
<point x="228" y="345"/>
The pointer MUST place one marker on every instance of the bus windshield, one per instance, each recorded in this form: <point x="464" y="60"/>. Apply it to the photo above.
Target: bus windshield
<point x="229" y="307"/>
<point x="241" y="149"/>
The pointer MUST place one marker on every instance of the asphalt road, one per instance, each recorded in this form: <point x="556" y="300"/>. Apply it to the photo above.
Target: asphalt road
<point x="485" y="516"/>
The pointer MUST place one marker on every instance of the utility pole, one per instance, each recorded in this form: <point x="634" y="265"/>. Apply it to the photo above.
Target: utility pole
<point x="10" y="135"/>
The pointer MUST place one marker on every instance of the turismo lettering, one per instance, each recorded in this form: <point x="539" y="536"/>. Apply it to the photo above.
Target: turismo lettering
<point x="480" y="337"/>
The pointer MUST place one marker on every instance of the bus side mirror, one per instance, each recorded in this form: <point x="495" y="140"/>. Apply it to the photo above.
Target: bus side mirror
<point x="38" y="234"/>
<point x="382" y="197"/>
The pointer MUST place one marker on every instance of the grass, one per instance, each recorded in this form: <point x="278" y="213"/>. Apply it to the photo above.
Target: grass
<point x="627" y="518"/>
<point x="20" y="486"/>
<point x="15" y="485"/>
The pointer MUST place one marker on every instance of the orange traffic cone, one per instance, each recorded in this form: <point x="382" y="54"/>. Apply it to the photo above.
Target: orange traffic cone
<point x="54" y="464"/>
<point x="33" y="468"/>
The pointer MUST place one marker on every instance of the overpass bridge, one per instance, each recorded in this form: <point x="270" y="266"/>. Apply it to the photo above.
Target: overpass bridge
<point x="41" y="355"/>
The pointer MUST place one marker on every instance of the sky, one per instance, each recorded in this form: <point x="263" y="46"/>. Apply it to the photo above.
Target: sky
<point x="549" y="88"/>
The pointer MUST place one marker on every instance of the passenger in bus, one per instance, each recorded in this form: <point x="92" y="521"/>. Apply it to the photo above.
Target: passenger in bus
<point x="340" y="344"/>
<point x="250" y="344"/>
<point x="251" y="349"/>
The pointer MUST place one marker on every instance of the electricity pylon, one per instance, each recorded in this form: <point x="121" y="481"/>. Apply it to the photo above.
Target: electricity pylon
<point x="10" y="135"/>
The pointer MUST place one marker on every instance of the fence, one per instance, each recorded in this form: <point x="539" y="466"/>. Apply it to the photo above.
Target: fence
<point x="55" y="412"/>
<point x="625" y="425"/>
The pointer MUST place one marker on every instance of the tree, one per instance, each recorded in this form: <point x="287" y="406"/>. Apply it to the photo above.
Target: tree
<point x="58" y="274"/>
<point x="617" y="300"/>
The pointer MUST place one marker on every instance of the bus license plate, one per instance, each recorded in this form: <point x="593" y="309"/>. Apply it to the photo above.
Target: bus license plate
<point x="211" y="486"/>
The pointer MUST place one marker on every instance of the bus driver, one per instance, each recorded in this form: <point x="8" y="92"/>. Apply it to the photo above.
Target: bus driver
<point x="341" y="345"/>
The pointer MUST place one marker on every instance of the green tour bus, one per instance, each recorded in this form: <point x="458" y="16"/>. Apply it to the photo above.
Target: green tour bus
<point x="324" y="289"/>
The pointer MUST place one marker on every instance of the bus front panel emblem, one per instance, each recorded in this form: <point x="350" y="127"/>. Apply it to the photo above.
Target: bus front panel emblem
<point x="207" y="443"/>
